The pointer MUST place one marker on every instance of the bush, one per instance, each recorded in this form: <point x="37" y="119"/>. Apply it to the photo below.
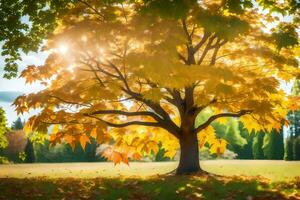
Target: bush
<point x="45" y="153"/>
<point x="29" y="151"/>
<point x="3" y="160"/>
<point x="288" y="150"/>
<point x="206" y="155"/>
<point x="296" y="148"/>
<point x="257" y="146"/>
<point x="273" y="145"/>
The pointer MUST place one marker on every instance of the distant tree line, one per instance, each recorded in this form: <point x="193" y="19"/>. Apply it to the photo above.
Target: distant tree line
<point x="21" y="149"/>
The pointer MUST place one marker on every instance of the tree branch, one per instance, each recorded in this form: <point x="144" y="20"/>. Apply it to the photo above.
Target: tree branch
<point x="122" y="125"/>
<point x="214" y="117"/>
<point x="120" y="112"/>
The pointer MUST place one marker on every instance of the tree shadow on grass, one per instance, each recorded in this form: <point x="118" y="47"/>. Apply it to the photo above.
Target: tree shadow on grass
<point x="160" y="187"/>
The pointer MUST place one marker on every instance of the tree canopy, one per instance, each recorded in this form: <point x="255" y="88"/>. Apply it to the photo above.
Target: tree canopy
<point x="132" y="74"/>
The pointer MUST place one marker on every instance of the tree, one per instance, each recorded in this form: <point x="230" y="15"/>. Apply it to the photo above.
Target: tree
<point x="45" y="153"/>
<point x="18" y="124"/>
<point x="3" y="129"/>
<point x="133" y="74"/>
<point x="296" y="148"/>
<point x="273" y="146"/>
<point x="16" y="144"/>
<point x="294" y="115"/>
<point x="245" y="152"/>
<point x="294" y="126"/>
<point x="288" y="149"/>
<point x="257" y="146"/>
<point x="29" y="152"/>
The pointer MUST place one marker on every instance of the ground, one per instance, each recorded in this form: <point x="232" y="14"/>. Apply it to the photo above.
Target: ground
<point x="247" y="180"/>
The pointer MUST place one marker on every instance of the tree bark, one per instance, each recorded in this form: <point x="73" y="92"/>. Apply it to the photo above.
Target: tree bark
<point x="189" y="155"/>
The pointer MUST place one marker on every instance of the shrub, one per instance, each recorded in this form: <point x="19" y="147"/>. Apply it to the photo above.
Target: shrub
<point x="288" y="150"/>
<point x="296" y="148"/>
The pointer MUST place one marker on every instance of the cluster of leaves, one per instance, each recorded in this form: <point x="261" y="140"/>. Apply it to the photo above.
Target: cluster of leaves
<point x="115" y="67"/>
<point x="3" y="129"/>
<point x="23" y="27"/>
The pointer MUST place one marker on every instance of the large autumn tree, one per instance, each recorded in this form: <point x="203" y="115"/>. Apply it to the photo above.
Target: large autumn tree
<point x="134" y="74"/>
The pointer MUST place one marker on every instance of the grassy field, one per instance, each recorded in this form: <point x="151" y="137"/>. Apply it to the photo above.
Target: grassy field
<point x="273" y="170"/>
<point x="147" y="181"/>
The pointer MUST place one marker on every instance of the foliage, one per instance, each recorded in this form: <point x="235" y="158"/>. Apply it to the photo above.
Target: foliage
<point x="29" y="151"/>
<point x="157" y="187"/>
<point x="245" y="152"/>
<point x="22" y="156"/>
<point x="102" y="77"/>
<point x="4" y="160"/>
<point x="294" y="115"/>
<point x="16" y="144"/>
<point x="288" y="149"/>
<point x="273" y="146"/>
<point x="23" y="26"/>
<point x="257" y="146"/>
<point x="3" y="129"/>
<point x="18" y="124"/>
<point x="227" y="155"/>
<point x="296" y="148"/>
<point x="63" y="153"/>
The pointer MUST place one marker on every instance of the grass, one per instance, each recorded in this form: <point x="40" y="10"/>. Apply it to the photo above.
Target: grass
<point x="146" y="181"/>
<point x="273" y="170"/>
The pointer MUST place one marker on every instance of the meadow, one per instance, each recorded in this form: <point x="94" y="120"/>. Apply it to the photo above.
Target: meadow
<point x="230" y="179"/>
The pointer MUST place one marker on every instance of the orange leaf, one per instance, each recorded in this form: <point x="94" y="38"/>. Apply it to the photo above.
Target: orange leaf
<point x="94" y="133"/>
<point x="83" y="140"/>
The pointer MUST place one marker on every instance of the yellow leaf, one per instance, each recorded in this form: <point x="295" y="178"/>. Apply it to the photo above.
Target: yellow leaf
<point x="55" y="129"/>
<point x="27" y="128"/>
<point x="153" y="146"/>
<point x="218" y="147"/>
<point x="170" y="153"/>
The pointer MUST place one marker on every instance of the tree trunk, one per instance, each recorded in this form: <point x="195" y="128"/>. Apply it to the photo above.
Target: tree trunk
<point x="189" y="155"/>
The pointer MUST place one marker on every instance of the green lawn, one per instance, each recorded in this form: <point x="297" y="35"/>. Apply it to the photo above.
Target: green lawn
<point x="146" y="181"/>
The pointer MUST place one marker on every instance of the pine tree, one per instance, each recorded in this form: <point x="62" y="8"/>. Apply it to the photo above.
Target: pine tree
<point x="296" y="148"/>
<point x="18" y="124"/>
<point x="29" y="151"/>
<point x="257" y="146"/>
<point x="273" y="146"/>
<point x="288" y="154"/>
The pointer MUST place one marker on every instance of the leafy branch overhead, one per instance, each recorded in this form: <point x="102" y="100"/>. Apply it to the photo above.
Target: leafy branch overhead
<point x="133" y="74"/>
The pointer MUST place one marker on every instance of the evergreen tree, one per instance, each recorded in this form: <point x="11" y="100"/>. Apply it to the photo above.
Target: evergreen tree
<point x="273" y="146"/>
<point x="288" y="154"/>
<point x="294" y="128"/>
<point x="296" y="148"/>
<point x="29" y="151"/>
<point x="294" y="116"/>
<point x="18" y="124"/>
<point x="245" y="152"/>
<point x="257" y="146"/>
